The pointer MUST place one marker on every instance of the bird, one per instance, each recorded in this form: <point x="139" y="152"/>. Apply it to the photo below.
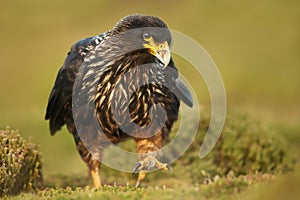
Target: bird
<point x="121" y="84"/>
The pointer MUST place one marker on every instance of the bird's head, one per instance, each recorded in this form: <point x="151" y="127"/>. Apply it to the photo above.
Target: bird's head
<point x="146" y="32"/>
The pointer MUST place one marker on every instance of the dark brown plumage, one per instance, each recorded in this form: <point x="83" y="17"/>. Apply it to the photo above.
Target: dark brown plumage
<point x="90" y="91"/>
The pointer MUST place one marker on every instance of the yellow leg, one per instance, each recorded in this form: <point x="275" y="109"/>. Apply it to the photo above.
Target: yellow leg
<point x="96" y="177"/>
<point x="147" y="149"/>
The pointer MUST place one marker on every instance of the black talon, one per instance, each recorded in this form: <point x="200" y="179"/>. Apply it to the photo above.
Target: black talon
<point x="136" y="167"/>
<point x="151" y="164"/>
<point x="169" y="168"/>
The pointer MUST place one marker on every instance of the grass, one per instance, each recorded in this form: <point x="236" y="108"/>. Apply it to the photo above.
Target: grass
<point x="264" y="186"/>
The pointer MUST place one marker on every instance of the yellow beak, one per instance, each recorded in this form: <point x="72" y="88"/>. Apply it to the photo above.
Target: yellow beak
<point x="161" y="51"/>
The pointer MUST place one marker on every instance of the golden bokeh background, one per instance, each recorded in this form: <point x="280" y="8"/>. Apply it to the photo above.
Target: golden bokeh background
<point x="255" y="44"/>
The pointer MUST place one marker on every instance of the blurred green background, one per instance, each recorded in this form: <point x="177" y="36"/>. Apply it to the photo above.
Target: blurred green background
<point x="255" y="44"/>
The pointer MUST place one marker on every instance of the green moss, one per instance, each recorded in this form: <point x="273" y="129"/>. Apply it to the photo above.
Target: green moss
<point x="246" y="154"/>
<point x="20" y="164"/>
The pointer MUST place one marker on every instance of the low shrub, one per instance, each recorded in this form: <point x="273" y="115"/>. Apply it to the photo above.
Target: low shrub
<point x="20" y="164"/>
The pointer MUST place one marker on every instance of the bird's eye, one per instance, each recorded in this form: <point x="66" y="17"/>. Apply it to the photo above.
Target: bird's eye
<point x="146" y="36"/>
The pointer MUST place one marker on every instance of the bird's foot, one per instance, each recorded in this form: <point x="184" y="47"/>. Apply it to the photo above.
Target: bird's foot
<point x="144" y="166"/>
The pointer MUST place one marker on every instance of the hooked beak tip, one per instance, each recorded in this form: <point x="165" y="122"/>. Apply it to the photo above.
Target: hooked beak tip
<point x="164" y="56"/>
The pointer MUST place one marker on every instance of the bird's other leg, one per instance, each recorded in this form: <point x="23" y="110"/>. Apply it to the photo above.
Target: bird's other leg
<point x="147" y="149"/>
<point x="93" y="162"/>
<point x="94" y="169"/>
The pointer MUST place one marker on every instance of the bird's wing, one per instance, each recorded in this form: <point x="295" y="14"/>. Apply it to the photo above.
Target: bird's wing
<point x="183" y="92"/>
<point x="60" y="99"/>
<point x="177" y="86"/>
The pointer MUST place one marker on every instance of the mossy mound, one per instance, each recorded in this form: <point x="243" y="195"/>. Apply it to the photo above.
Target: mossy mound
<point x="244" y="147"/>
